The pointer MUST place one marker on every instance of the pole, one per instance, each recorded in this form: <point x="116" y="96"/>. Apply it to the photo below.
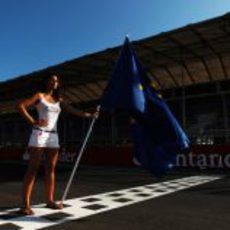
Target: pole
<point x="79" y="158"/>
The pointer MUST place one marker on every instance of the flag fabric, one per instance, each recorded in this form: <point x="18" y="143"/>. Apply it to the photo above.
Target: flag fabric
<point x="124" y="90"/>
<point x="156" y="134"/>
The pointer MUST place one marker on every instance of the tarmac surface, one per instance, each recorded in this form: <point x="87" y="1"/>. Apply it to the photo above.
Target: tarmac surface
<point x="197" y="207"/>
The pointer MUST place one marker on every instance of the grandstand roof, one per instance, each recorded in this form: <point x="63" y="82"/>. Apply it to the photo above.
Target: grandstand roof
<point x="194" y="54"/>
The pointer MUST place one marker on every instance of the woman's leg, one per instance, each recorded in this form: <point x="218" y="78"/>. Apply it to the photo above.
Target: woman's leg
<point x="50" y="165"/>
<point x="29" y="178"/>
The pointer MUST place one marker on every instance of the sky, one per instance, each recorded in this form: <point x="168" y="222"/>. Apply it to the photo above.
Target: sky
<point x="36" y="34"/>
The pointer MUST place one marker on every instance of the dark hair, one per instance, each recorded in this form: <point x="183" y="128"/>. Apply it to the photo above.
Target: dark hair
<point x="56" y="92"/>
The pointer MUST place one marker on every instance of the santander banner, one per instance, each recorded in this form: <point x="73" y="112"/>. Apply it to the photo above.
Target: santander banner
<point x="201" y="156"/>
<point x="206" y="156"/>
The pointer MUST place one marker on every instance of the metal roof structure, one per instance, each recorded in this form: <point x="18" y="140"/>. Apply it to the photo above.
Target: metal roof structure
<point x="194" y="54"/>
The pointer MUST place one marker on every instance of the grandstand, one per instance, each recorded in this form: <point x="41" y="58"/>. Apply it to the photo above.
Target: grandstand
<point x="190" y="65"/>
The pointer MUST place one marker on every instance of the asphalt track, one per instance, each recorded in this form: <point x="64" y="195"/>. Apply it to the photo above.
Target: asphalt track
<point x="201" y="207"/>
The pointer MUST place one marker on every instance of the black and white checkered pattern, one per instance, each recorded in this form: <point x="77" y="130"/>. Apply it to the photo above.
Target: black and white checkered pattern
<point x="86" y="206"/>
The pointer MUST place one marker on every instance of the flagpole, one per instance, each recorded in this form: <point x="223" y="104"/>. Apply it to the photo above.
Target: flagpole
<point x="79" y="157"/>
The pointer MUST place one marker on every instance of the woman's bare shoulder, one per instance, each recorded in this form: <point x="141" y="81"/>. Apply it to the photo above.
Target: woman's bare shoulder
<point x="38" y="95"/>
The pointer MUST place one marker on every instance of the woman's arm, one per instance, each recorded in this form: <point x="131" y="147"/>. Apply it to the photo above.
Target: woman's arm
<point x="70" y="109"/>
<point x="22" y="108"/>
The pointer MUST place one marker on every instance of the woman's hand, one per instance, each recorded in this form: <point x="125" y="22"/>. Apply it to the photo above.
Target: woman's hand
<point x="23" y="105"/>
<point x="95" y="114"/>
<point x="41" y="123"/>
<point x="76" y="112"/>
<point x="92" y="115"/>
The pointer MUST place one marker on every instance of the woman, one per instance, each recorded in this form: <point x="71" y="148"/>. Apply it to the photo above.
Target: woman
<point x="44" y="138"/>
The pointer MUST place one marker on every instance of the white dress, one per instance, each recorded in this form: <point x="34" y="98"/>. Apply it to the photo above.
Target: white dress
<point x="46" y="137"/>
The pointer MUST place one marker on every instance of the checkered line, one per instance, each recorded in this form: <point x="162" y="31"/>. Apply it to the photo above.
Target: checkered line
<point x="90" y="205"/>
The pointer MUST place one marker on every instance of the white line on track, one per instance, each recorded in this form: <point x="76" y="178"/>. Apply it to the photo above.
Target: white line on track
<point x="90" y="205"/>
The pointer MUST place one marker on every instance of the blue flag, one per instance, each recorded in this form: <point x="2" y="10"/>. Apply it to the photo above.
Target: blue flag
<point x="124" y="90"/>
<point x="156" y="134"/>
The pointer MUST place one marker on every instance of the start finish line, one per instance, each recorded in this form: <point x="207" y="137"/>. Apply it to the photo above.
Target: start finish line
<point x="83" y="207"/>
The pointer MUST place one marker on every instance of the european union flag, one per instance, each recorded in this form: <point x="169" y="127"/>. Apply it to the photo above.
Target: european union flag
<point x="156" y="134"/>
<point x="154" y="157"/>
<point x="124" y="90"/>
